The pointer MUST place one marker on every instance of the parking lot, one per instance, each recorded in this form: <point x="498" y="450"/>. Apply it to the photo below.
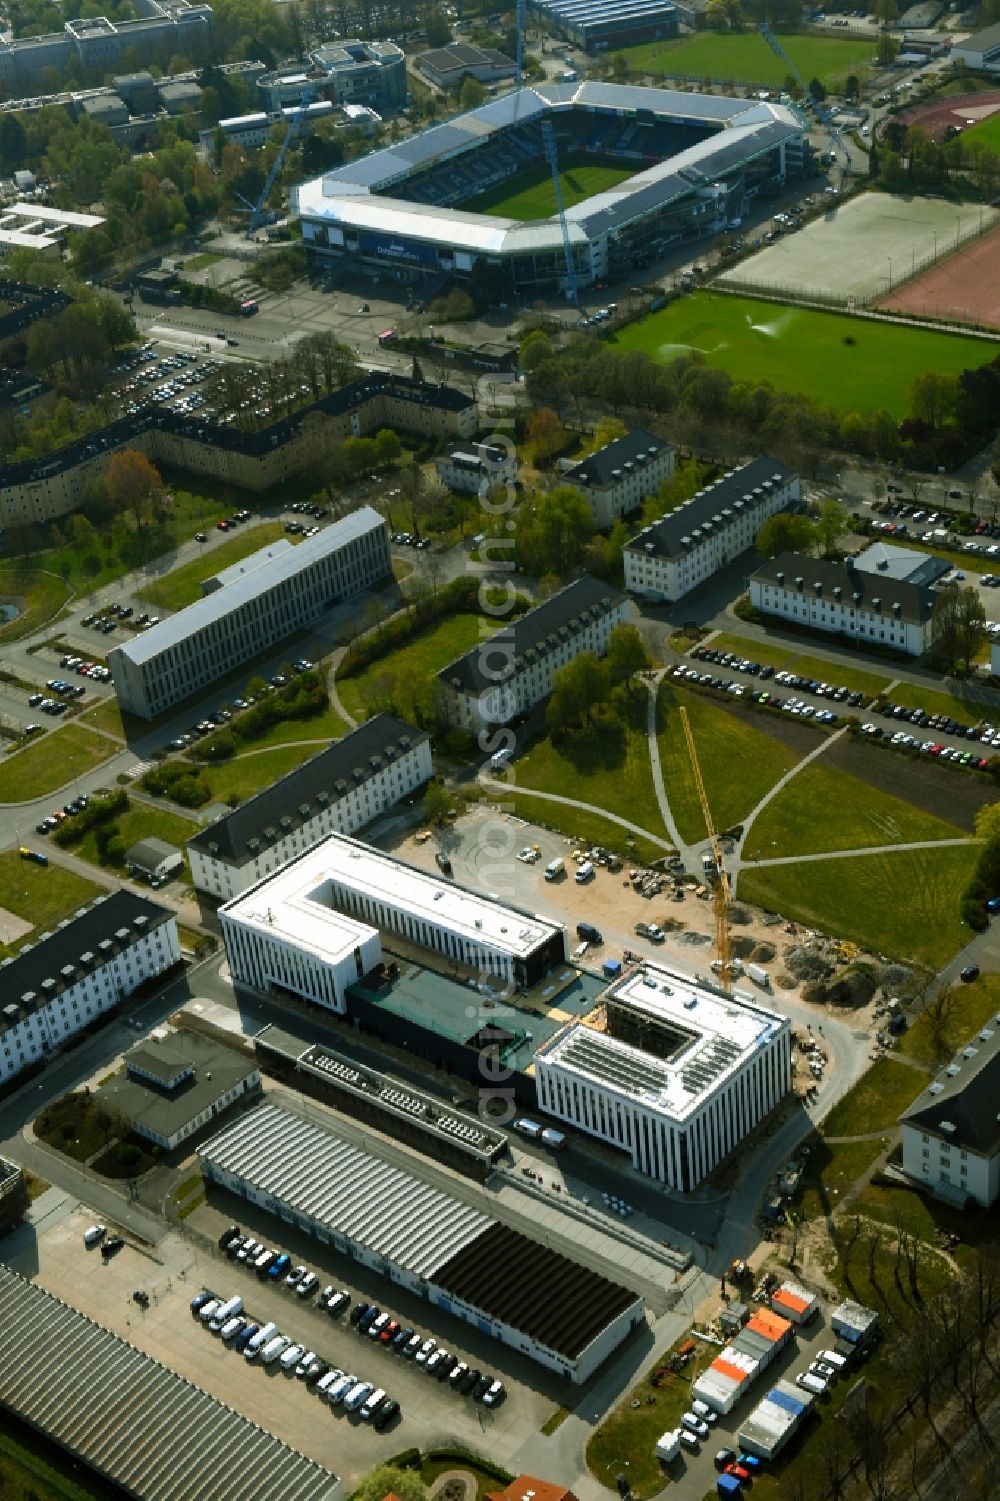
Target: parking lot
<point x="270" y="1396"/>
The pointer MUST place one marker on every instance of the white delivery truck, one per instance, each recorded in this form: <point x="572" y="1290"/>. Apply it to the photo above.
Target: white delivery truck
<point x="759" y="976"/>
<point x="555" y="869"/>
<point x="668" y="1445"/>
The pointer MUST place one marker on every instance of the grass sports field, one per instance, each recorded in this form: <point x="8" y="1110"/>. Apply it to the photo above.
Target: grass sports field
<point x="800" y="350"/>
<point x="748" y="59"/>
<point x="532" y="195"/>
<point x="986" y="133"/>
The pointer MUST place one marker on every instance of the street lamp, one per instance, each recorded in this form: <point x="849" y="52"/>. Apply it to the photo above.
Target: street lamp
<point x="889" y="259"/>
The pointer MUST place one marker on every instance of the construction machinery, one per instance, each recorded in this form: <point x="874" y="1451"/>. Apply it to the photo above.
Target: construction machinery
<point x="569" y="282"/>
<point x="258" y="210"/>
<point x="714" y="866"/>
<point x="813" y="105"/>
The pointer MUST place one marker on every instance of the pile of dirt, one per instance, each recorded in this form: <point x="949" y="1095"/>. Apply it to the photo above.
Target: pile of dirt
<point x="896" y="977"/>
<point x="785" y="981"/>
<point x="743" y="946"/>
<point x="815" y="992"/>
<point x="807" y="963"/>
<point x="739" y="917"/>
<point x="763" y="953"/>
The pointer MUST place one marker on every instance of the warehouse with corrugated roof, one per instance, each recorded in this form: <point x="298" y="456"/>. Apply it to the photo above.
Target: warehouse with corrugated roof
<point x="532" y="1298"/>
<point x="147" y="1430"/>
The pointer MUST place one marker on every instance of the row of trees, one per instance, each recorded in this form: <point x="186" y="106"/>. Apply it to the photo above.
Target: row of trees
<point x="253" y="396"/>
<point x="911" y="160"/>
<point x="711" y="412"/>
<point x="590" y="684"/>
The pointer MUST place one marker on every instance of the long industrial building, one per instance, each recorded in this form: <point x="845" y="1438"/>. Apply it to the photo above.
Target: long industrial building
<point x="670" y="1070"/>
<point x="345" y="787"/>
<point x="601" y="25"/>
<point x="694" y="164"/>
<point x="312" y="929"/>
<point x="248" y="608"/>
<point x="54" y="988"/>
<point x="531" y="1298"/>
<point x="145" y="1430"/>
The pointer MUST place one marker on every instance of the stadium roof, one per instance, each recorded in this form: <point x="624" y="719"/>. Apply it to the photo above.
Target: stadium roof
<point x="301" y="794"/>
<point x="351" y="194"/>
<point x="272" y="569"/>
<point x="143" y="1427"/>
<point x="535" y="631"/>
<point x="487" y="1265"/>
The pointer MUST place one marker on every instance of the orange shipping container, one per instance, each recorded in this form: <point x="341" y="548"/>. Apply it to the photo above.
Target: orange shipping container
<point x="798" y="1305"/>
<point x="734" y="1372"/>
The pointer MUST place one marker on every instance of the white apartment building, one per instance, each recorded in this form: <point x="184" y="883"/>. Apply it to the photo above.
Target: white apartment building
<point x="60" y="984"/>
<point x="512" y="670"/>
<point x="317" y="922"/>
<point x="345" y="787"/>
<point x="951" y="1133"/>
<point x="677" y="1077"/>
<point x="845" y="600"/>
<point x="618" y="477"/>
<point x="247" y="608"/>
<point x="683" y="549"/>
<point x="477" y="468"/>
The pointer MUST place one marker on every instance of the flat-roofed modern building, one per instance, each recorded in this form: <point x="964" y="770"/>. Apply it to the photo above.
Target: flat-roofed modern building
<point x="510" y="1286"/>
<point x="981" y="50"/>
<point x="174" y="1086"/>
<point x="511" y="671"/>
<point x="325" y="910"/>
<point x="68" y="978"/>
<point x="337" y="792"/>
<point x="618" y="477"/>
<point x="250" y="607"/>
<point x="148" y="1431"/>
<point x="13" y="1195"/>
<point x="676" y="1074"/>
<point x="683" y="549"/>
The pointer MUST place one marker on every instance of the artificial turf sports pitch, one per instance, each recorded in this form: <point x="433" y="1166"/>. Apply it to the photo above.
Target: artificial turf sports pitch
<point x="853" y="364"/>
<point x="532" y="195"/>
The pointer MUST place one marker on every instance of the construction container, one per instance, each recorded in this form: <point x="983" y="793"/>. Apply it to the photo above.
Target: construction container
<point x="794" y="1302"/>
<point x="854" y="1323"/>
<point x="740" y="1362"/>
<point x="775" y="1420"/>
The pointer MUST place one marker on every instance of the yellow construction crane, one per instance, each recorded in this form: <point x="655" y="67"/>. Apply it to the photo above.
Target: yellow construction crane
<point x="721" y="894"/>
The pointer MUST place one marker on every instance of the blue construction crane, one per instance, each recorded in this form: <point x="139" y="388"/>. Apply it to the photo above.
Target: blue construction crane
<point x="569" y="285"/>
<point x="259" y="210"/>
<point x="818" y="108"/>
<point x="519" y="23"/>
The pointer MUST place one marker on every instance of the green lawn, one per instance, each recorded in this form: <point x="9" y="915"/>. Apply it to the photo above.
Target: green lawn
<point x="968" y="710"/>
<point x="825" y="809"/>
<point x="876" y="1100"/>
<point x="746" y="58"/>
<point x="421" y="657"/>
<point x="801" y="350"/>
<point x="986" y="133"/>
<point x="246" y="775"/>
<point x="203" y="260"/>
<point x="37" y="594"/>
<point x="610" y="770"/>
<point x="738" y="761"/>
<point x="532" y="195"/>
<point x="326" y="726"/>
<point x="40" y="894"/>
<point x="182" y="586"/>
<point x="105" y="716"/>
<point x="52" y="762"/>
<point x="790" y="659"/>
<point x="903" y="904"/>
<point x="578" y="826"/>
<point x="830" y="1171"/>
<point x="969" y="1008"/>
<point x="143" y="821"/>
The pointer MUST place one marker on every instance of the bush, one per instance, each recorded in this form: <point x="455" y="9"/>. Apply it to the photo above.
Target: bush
<point x="179" y="781"/>
<point x="406" y="1459"/>
<point x="98" y="811"/>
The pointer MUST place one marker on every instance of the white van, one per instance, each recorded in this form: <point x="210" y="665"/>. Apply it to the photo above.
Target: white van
<point x="225" y="1312"/>
<point x="832" y="1358"/>
<point x="811" y="1383"/>
<point x="231" y="1328"/>
<point x="529" y="1128"/>
<point x="555" y="869"/>
<point x="375" y="1400"/>
<point x="689" y="1440"/>
<point x="209" y="1310"/>
<point x="260" y="1339"/>
<point x="357" y="1395"/>
<point x="276" y="1347"/>
<point x="325" y="1383"/>
<point x="584" y="872"/>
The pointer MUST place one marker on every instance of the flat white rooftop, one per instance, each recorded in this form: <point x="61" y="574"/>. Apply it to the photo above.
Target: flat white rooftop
<point x="293" y="906"/>
<point x="715" y="1036"/>
<point x="301" y="889"/>
<point x="57" y="216"/>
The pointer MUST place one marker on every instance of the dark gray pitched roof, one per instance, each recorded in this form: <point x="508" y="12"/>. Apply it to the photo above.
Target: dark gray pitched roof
<point x="717" y="506"/>
<point x="606" y="465"/>
<point x="300" y="794"/>
<point x="962" y="1105"/>
<point x="532" y="632"/>
<point x="873" y="592"/>
<point x="115" y="921"/>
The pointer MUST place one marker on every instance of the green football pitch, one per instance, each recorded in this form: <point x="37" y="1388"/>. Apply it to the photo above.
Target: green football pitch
<point x="854" y="364"/>
<point x="532" y="195"/>
<point x="986" y="133"/>
<point x="746" y="58"/>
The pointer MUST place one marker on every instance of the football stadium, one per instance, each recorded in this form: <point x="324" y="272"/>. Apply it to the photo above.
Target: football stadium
<point x="640" y="169"/>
